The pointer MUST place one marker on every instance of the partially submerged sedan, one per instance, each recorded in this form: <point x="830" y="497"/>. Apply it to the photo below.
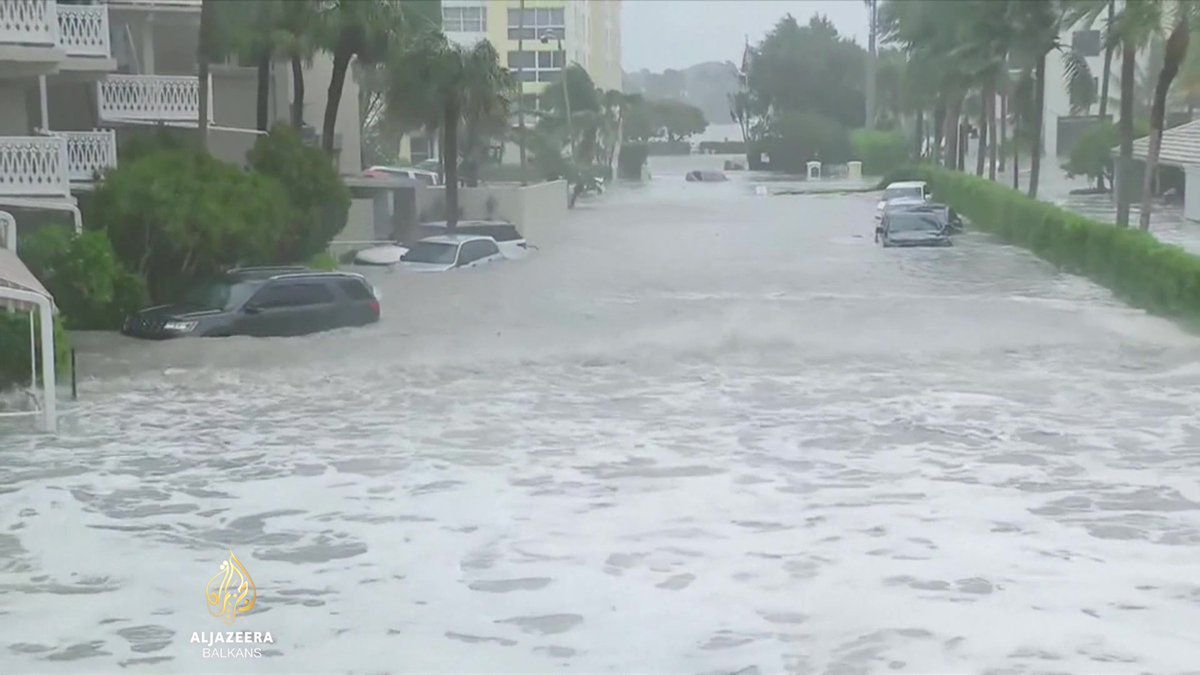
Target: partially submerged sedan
<point x="906" y="227"/>
<point x="448" y="251"/>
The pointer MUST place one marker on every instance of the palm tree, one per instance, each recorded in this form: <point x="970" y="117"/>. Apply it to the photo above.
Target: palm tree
<point x="1176" y="50"/>
<point x="435" y="79"/>
<point x="296" y="41"/>
<point x="367" y="30"/>
<point x="204" y="50"/>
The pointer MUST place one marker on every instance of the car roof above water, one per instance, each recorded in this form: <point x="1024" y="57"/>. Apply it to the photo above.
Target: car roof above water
<point x="907" y="184"/>
<point x="273" y="272"/>
<point x="456" y="239"/>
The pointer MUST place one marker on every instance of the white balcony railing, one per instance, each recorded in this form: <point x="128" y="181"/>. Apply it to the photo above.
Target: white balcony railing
<point x="150" y="98"/>
<point x="28" y="22"/>
<point x="33" y="166"/>
<point x="89" y="153"/>
<point x="83" y="30"/>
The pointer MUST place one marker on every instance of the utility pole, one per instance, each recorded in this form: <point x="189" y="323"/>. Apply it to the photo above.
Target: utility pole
<point x="872" y="57"/>
<point x="521" y="89"/>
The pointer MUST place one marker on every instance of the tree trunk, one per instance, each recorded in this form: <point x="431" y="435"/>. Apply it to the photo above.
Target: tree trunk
<point x="450" y="164"/>
<point x="950" y="134"/>
<point x="341" y="62"/>
<point x="920" y="135"/>
<point x="991" y="120"/>
<point x="1016" y="143"/>
<point x="871" y="66"/>
<point x="263" y="91"/>
<point x="1173" y="56"/>
<point x="202" y="54"/>
<point x="297" y="92"/>
<point x="983" y="129"/>
<point x="963" y="140"/>
<point x="939" y="128"/>
<point x="1039" y="104"/>
<point x="1125" y="131"/>
<point x="1003" y="124"/>
<point x="1107" y="71"/>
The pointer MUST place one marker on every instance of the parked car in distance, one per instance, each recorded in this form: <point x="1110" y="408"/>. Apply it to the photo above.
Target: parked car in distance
<point x="262" y="302"/>
<point x="447" y="251"/>
<point x="911" y="189"/>
<point x="949" y="217"/>
<point x="903" y="227"/>
<point x="511" y="242"/>
<point x="419" y="175"/>
<point x="705" y="176"/>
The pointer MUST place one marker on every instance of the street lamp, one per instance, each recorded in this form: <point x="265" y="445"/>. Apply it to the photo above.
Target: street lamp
<point x="545" y="38"/>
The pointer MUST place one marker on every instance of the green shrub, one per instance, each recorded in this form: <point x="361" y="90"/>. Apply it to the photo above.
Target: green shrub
<point x="1138" y="267"/>
<point x="173" y="215"/>
<point x="92" y="289"/>
<point x="317" y="194"/>
<point x="796" y="138"/>
<point x="631" y="160"/>
<point x="14" y="345"/>
<point x="879" y="151"/>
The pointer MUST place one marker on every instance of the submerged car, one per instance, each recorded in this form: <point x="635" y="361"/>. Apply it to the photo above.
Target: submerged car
<point x="262" y="302"/>
<point x="423" y="176"/>
<point x="705" y="176"/>
<point x="448" y="251"/>
<point x="902" y="227"/>
<point x="949" y="217"/>
<point x="903" y="190"/>
<point x="511" y="242"/>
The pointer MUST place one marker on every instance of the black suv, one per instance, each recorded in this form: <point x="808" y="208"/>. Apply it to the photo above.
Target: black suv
<point x="262" y="301"/>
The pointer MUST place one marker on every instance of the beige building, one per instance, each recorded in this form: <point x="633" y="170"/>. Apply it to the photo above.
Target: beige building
<point x="76" y="77"/>
<point x="536" y="39"/>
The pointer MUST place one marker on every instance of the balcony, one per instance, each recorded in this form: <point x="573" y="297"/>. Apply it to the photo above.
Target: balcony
<point x="150" y="99"/>
<point x="83" y="30"/>
<point x="29" y="23"/>
<point x="89" y="153"/>
<point x="33" y="166"/>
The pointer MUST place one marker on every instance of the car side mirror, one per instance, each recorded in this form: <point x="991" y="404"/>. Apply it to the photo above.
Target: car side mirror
<point x="251" y="309"/>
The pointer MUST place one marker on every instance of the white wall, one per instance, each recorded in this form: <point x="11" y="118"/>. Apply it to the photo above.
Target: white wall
<point x="1191" y="193"/>
<point x="1058" y="103"/>
<point x="534" y="209"/>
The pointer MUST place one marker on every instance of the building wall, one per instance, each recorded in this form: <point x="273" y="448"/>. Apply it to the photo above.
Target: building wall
<point x="1058" y="102"/>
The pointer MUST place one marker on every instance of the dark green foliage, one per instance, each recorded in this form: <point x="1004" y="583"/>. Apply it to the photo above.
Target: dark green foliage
<point x="319" y="199"/>
<point x="92" y="289"/>
<point x="14" y="345"/>
<point x="879" y="151"/>
<point x="174" y="215"/>
<point x="1146" y="272"/>
<point x="631" y="160"/>
<point x="796" y="138"/>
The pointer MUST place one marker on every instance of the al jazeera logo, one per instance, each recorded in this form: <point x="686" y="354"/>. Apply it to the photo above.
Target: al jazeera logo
<point x="231" y="593"/>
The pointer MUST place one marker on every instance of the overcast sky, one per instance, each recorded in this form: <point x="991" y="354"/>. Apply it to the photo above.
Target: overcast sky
<point x="660" y="34"/>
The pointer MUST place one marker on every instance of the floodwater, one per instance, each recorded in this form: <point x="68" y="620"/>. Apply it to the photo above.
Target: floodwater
<point x="699" y="431"/>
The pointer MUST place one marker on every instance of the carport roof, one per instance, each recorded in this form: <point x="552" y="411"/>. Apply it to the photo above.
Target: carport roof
<point x="1180" y="146"/>
<point x="14" y="274"/>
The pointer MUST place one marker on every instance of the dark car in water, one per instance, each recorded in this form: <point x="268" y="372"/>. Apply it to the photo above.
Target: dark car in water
<point x="262" y="302"/>
<point x="903" y="227"/>
<point x="949" y="217"/>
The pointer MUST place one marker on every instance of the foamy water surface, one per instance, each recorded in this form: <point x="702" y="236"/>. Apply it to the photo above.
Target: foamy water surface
<point x="699" y="431"/>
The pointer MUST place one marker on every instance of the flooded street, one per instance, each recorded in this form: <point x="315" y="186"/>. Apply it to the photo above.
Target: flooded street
<point x="699" y="430"/>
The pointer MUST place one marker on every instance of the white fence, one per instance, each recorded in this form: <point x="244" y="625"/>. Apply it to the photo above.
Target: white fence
<point x="89" y="153"/>
<point x="33" y="166"/>
<point x="28" y="22"/>
<point x="150" y="98"/>
<point x="83" y="30"/>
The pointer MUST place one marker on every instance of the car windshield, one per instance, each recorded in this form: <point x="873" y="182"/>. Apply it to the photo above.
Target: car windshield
<point x="434" y="252"/>
<point x="208" y="295"/>
<point x="914" y="222"/>
<point x="901" y="192"/>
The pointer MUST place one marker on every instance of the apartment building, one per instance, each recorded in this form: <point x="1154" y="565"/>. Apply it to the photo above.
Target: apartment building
<point x="74" y="78"/>
<point x="535" y="39"/>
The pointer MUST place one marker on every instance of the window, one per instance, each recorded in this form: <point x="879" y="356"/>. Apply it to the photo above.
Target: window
<point x="464" y="19"/>
<point x="355" y="289"/>
<point x="476" y="250"/>
<point x="537" y="22"/>
<point x="537" y="66"/>
<point x="293" y="294"/>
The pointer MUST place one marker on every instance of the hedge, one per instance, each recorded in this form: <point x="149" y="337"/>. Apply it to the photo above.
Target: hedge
<point x="879" y="151"/>
<point x="14" y="344"/>
<point x="1139" y="268"/>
